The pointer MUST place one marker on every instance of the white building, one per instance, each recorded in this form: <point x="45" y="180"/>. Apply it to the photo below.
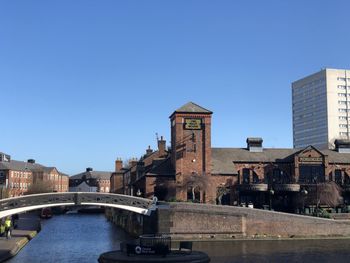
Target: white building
<point x="321" y="107"/>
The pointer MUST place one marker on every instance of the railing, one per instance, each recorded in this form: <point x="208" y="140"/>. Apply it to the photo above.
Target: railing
<point x="77" y="198"/>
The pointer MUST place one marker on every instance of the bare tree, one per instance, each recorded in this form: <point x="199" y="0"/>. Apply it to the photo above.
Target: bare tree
<point x="328" y="194"/>
<point x="195" y="181"/>
<point x="40" y="187"/>
<point x="220" y="192"/>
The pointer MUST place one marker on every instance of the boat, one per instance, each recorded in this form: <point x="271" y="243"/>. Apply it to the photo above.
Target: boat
<point x="46" y="213"/>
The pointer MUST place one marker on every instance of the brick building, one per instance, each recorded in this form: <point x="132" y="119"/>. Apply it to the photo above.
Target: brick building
<point x="90" y="181"/>
<point x="17" y="177"/>
<point x="285" y="179"/>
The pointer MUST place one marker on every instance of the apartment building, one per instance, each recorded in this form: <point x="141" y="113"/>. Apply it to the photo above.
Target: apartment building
<point x="321" y="107"/>
<point x="18" y="177"/>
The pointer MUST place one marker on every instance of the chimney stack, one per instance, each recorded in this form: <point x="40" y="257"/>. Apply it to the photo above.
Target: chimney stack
<point x="89" y="169"/>
<point x="149" y="150"/>
<point x="161" y="146"/>
<point x="118" y="164"/>
<point x="32" y="161"/>
<point x="132" y="162"/>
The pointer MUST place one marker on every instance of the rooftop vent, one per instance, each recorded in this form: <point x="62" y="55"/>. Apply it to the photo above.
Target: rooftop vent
<point x="254" y="144"/>
<point x="89" y="169"/>
<point x="342" y="146"/>
<point x="31" y="161"/>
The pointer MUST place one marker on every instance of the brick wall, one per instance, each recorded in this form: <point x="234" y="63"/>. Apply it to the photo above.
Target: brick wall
<point x="199" y="221"/>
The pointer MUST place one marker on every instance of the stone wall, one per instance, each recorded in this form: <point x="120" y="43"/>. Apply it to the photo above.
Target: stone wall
<point x="202" y="221"/>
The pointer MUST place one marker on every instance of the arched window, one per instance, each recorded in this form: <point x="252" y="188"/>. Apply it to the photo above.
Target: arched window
<point x="337" y="177"/>
<point x="330" y="177"/>
<point x="255" y="178"/>
<point x="246" y="179"/>
<point x="276" y="176"/>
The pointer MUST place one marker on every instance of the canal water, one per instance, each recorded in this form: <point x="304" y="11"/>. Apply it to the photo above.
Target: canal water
<point x="72" y="238"/>
<point x="279" y="251"/>
<point x="83" y="237"/>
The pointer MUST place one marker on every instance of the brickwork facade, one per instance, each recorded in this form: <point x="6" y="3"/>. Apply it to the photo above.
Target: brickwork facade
<point x="192" y="170"/>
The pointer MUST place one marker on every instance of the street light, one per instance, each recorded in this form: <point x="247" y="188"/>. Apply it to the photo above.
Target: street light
<point x="138" y="193"/>
<point x="315" y="180"/>
<point x="304" y="193"/>
<point x="271" y="192"/>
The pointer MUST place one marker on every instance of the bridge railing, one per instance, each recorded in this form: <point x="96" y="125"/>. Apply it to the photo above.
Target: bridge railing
<point x="136" y="204"/>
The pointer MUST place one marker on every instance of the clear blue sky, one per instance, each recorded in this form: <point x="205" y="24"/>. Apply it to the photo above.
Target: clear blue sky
<point x="84" y="82"/>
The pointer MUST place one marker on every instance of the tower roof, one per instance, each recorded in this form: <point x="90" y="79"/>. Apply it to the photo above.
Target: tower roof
<point x="191" y="107"/>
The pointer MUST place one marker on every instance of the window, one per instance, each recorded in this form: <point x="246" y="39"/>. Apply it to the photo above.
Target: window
<point x="343" y="126"/>
<point x="341" y="87"/>
<point x="342" y="79"/>
<point x="337" y="177"/>
<point x="246" y="179"/>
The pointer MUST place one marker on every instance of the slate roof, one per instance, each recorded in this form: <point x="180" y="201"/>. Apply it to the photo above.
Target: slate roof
<point x="336" y="157"/>
<point x="224" y="158"/>
<point x="94" y="175"/>
<point x="191" y="107"/>
<point x="25" y="166"/>
<point x="19" y="166"/>
<point x="160" y="167"/>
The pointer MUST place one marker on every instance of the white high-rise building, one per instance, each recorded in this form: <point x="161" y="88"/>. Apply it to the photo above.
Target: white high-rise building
<point x="321" y="108"/>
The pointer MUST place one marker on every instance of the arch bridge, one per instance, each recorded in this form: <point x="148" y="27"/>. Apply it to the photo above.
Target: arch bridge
<point x="14" y="205"/>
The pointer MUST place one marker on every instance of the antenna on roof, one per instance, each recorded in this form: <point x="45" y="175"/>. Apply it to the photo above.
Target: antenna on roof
<point x="157" y="136"/>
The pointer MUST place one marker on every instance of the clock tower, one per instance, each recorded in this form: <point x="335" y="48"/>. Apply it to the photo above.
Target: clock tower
<point x="190" y="146"/>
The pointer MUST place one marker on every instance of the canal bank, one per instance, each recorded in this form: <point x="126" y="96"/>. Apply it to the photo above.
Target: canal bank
<point x="188" y="221"/>
<point x="28" y="227"/>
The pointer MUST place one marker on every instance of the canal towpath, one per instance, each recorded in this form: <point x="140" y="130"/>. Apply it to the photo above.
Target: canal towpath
<point x="28" y="226"/>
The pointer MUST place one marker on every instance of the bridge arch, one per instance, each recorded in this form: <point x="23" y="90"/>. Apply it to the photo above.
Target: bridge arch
<point x="15" y="205"/>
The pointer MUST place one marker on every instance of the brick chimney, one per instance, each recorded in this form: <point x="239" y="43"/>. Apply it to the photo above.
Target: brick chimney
<point x="149" y="150"/>
<point x="133" y="162"/>
<point x="118" y="165"/>
<point x="161" y="146"/>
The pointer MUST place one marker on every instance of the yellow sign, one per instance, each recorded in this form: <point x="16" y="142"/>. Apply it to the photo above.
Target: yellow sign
<point x="193" y="124"/>
<point x="310" y="159"/>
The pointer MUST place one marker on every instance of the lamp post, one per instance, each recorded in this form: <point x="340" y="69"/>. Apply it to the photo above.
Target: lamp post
<point x="304" y="193"/>
<point x="138" y="193"/>
<point x="316" y="207"/>
<point x="271" y="193"/>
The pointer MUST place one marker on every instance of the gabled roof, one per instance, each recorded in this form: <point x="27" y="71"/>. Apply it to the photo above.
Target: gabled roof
<point x="223" y="158"/>
<point x="25" y="166"/>
<point x="77" y="182"/>
<point x="20" y="166"/>
<point x="93" y="174"/>
<point x="191" y="107"/>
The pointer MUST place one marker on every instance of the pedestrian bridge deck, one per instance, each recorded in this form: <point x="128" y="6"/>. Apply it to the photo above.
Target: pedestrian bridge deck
<point x="14" y="205"/>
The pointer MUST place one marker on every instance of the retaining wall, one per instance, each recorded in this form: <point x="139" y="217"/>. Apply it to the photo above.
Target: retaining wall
<point x="202" y="221"/>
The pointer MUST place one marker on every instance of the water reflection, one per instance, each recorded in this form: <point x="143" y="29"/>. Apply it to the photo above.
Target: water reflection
<point x="277" y="251"/>
<point x="72" y="238"/>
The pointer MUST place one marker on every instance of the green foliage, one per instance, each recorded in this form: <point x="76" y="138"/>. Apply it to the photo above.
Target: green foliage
<point x="320" y="212"/>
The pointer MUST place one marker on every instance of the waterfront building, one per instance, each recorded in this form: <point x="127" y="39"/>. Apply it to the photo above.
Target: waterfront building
<point x="17" y="177"/>
<point x="192" y="170"/>
<point x="321" y="108"/>
<point x="90" y="181"/>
